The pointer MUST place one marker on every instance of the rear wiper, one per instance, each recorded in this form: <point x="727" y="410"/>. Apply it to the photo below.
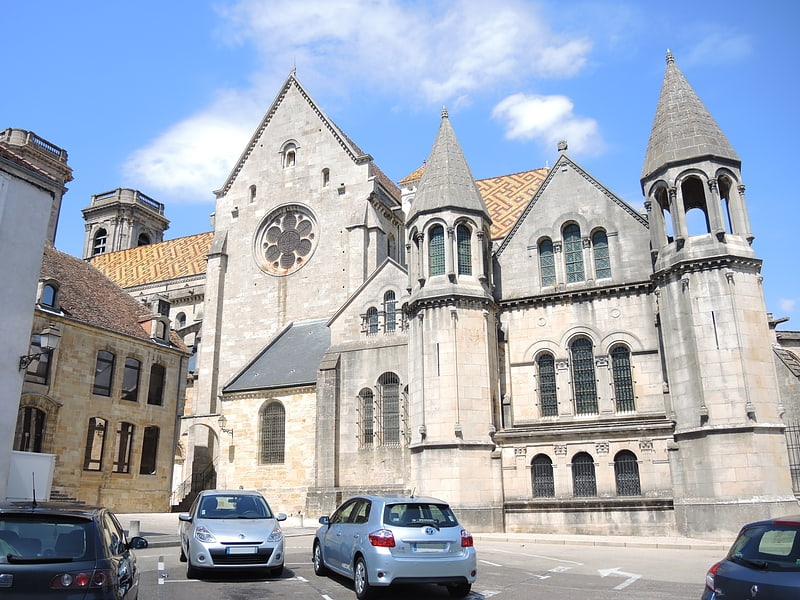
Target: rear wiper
<point x="36" y="560"/>
<point x="431" y="522"/>
<point x="758" y="564"/>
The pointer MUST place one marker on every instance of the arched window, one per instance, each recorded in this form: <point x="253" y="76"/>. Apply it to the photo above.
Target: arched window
<point x="253" y="190"/>
<point x="584" y="483"/>
<point x="602" y="261"/>
<point x="130" y="379"/>
<point x="626" y="474"/>
<point x="99" y="242"/>
<point x="542" y="477"/>
<point x="573" y="253"/>
<point x="95" y="443"/>
<point x="464" y="244"/>
<point x="547" y="263"/>
<point x="103" y="373"/>
<point x="180" y="320"/>
<point x="122" y="457"/>
<point x="30" y="429"/>
<point x="143" y="240"/>
<point x="289" y="155"/>
<point x="149" y="450"/>
<point x="623" y="379"/>
<point x="273" y="433"/>
<point x="390" y="310"/>
<point x="391" y="247"/>
<point x="436" y="251"/>
<point x="548" y="399"/>
<point x="49" y="296"/>
<point x="694" y="203"/>
<point x="155" y="392"/>
<point x="583" y="377"/>
<point x="366" y="421"/>
<point x="372" y="320"/>
<point x="389" y="407"/>
<point x="326" y="177"/>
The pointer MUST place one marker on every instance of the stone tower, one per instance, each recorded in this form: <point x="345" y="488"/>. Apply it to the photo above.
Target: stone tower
<point x="122" y="219"/>
<point x="452" y="346"/>
<point x="729" y="460"/>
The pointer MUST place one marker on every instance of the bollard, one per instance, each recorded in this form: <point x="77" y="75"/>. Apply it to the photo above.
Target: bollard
<point x="134" y="529"/>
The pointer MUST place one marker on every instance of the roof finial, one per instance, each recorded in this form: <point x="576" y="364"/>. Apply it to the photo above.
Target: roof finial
<point x="670" y="58"/>
<point x="562" y="146"/>
<point x="444" y="112"/>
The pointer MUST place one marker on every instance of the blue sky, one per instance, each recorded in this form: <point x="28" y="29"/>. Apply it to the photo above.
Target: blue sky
<point x="162" y="96"/>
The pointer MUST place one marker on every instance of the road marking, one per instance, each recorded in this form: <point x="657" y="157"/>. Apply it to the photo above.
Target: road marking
<point x="572" y="562"/>
<point x="486" y="562"/>
<point x="632" y="577"/>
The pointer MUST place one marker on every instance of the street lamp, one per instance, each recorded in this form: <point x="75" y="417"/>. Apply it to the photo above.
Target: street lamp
<point x="222" y="422"/>
<point x="48" y="341"/>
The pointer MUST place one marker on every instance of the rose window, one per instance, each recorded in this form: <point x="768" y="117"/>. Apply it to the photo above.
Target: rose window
<point x="286" y="240"/>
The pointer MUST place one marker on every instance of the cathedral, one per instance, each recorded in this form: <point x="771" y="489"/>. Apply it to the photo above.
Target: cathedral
<point x="531" y="348"/>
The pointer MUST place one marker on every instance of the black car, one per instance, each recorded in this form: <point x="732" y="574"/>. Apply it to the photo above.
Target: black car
<point x="65" y="552"/>
<point x="763" y="563"/>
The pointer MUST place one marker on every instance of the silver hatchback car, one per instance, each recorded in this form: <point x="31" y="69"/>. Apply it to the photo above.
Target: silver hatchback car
<point x="226" y="530"/>
<point x="378" y="541"/>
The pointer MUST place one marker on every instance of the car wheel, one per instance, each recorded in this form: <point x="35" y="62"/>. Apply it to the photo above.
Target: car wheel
<point x="361" y="580"/>
<point x="192" y="572"/>
<point x="459" y="590"/>
<point x="316" y="560"/>
<point x="182" y="557"/>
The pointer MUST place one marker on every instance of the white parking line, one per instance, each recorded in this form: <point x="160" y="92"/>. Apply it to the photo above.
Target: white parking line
<point x="562" y="560"/>
<point x="486" y="562"/>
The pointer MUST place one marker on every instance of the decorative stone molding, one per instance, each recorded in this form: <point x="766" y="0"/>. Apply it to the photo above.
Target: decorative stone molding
<point x="560" y="449"/>
<point x="520" y="451"/>
<point x="646" y="445"/>
<point x="601" y="447"/>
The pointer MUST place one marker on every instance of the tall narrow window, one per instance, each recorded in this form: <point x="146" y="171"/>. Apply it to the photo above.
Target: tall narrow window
<point x="626" y="474"/>
<point x="372" y="320"/>
<point x="122" y="456"/>
<point x="99" y="242"/>
<point x="273" y="433"/>
<point x="390" y="310"/>
<point x="583" y="478"/>
<point x="289" y="155"/>
<point x="130" y="380"/>
<point x="573" y="253"/>
<point x="155" y="391"/>
<point x="547" y="263"/>
<point x="389" y="390"/>
<point x="366" y="412"/>
<point x="602" y="261"/>
<point x="542" y="476"/>
<point x="464" y="243"/>
<point x="436" y="251"/>
<point x="95" y="443"/>
<point x="548" y="398"/>
<point x="149" y="450"/>
<point x="391" y="247"/>
<point x="143" y="240"/>
<point x="583" y="377"/>
<point x="623" y="379"/>
<point x="30" y="429"/>
<point x="326" y="177"/>
<point x="103" y="373"/>
<point x="49" y="294"/>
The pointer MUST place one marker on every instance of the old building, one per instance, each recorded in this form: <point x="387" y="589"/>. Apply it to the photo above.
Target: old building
<point x="550" y="359"/>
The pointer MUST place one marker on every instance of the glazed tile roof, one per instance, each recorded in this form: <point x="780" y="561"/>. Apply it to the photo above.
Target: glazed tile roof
<point x="88" y="296"/>
<point x="181" y="257"/>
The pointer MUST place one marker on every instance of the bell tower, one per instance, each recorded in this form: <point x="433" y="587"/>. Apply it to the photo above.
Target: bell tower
<point x="452" y="350"/>
<point x="729" y="459"/>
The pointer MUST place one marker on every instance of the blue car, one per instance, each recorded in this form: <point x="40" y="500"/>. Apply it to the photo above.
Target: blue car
<point x="763" y="563"/>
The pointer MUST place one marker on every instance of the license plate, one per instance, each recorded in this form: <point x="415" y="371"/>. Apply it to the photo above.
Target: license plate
<point x="430" y="546"/>
<point x="241" y="549"/>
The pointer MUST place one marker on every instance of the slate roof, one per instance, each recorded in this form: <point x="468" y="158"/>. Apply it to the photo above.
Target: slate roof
<point x="162" y="261"/>
<point x="683" y="129"/>
<point x="89" y="297"/>
<point x="291" y="359"/>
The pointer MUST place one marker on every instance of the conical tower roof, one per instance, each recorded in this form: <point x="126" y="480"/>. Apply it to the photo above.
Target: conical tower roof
<point x="447" y="181"/>
<point x="683" y="129"/>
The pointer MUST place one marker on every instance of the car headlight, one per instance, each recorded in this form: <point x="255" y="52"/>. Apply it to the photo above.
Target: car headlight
<point x="204" y="535"/>
<point x="276" y="535"/>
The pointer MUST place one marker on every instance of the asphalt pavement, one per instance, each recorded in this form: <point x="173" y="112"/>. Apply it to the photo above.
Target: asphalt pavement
<point x="161" y="530"/>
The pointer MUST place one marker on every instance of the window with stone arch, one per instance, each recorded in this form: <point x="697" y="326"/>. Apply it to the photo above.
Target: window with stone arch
<point x="272" y="434"/>
<point x="584" y="381"/>
<point x="602" y="260"/>
<point x="626" y="474"/>
<point x="573" y="253"/>
<point x="95" y="444"/>
<point x="130" y="379"/>
<point x="390" y="311"/>
<point x="29" y="436"/>
<point x="122" y="455"/>
<point x="49" y="296"/>
<point x="391" y="247"/>
<point x="99" y="242"/>
<point x="584" y="481"/>
<point x="464" y="247"/>
<point x="388" y="407"/>
<point x="289" y="154"/>
<point x="436" y="251"/>
<point x="143" y="239"/>
<point x="103" y="373"/>
<point x="623" y="378"/>
<point x="372" y="320"/>
<point x="542" y="480"/>
<point x="548" y="397"/>
<point x="147" y="466"/>
<point x="366" y="418"/>
<point x="547" y="263"/>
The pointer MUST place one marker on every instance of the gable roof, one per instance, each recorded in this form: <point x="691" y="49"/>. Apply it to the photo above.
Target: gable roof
<point x="162" y="261"/>
<point x="683" y="129"/>
<point x="89" y="297"/>
<point x="291" y="359"/>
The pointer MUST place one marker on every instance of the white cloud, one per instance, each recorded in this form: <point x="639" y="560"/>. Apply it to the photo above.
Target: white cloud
<point x="547" y="119"/>
<point x="787" y="305"/>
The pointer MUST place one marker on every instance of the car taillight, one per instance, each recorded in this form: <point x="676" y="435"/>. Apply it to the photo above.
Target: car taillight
<point x="97" y="578"/>
<point x="383" y="538"/>
<point x="710" y="576"/>
<point x="466" y="539"/>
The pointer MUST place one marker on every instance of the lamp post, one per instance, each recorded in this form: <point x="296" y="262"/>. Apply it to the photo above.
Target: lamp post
<point x="222" y="422"/>
<point x="48" y="342"/>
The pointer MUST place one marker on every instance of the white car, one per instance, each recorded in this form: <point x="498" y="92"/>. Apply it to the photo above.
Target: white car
<point x="227" y="530"/>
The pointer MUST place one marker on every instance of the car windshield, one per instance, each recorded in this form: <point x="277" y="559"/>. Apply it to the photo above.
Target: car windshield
<point x="51" y="537"/>
<point x="417" y="514"/>
<point x="768" y="547"/>
<point x="233" y="506"/>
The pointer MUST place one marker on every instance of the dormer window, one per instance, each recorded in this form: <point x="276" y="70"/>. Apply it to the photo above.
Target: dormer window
<point x="289" y="155"/>
<point x="48" y="298"/>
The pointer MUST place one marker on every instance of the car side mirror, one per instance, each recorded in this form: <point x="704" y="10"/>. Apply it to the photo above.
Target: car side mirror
<point x="324" y="520"/>
<point x="137" y="542"/>
<point x="280" y="517"/>
<point x="185" y="517"/>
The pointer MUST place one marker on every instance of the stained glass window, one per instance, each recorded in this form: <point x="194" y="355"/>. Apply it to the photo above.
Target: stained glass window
<point x="573" y="253"/>
<point x="463" y="236"/>
<point x="547" y="385"/>
<point x="547" y="263"/>
<point x="602" y="262"/>
<point x="273" y="433"/>
<point x="436" y="251"/>
<point x="542" y="475"/>
<point x="623" y="379"/>
<point x="583" y="377"/>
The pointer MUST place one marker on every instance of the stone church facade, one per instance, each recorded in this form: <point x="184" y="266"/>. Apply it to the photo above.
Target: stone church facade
<point x="566" y="363"/>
